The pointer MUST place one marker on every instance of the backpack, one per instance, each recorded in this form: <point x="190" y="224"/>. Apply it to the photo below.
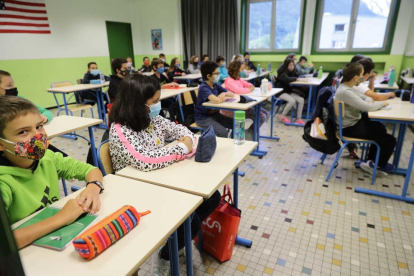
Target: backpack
<point x="188" y="110"/>
<point x="324" y="110"/>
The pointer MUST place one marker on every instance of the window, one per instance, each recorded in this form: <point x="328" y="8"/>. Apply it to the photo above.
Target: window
<point x="354" y="25"/>
<point x="274" y="25"/>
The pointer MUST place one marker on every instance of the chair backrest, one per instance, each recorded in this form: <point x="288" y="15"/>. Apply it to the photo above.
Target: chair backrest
<point x="339" y="111"/>
<point x="79" y="81"/>
<point x="104" y="158"/>
<point x="188" y="99"/>
<point x="60" y="84"/>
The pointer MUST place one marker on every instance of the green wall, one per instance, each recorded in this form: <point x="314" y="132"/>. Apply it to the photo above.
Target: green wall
<point x="335" y="62"/>
<point x="408" y="62"/>
<point x="33" y="76"/>
<point x="168" y="58"/>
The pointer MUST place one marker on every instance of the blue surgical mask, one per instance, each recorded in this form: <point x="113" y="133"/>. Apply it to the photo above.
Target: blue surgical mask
<point x="246" y="60"/>
<point x="222" y="65"/>
<point x="95" y="72"/>
<point x="160" y="70"/>
<point x="216" y="78"/>
<point x="178" y="65"/>
<point x="155" y="110"/>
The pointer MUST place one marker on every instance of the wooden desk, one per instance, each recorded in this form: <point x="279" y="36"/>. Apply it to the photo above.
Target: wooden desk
<point x="77" y="87"/>
<point x="66" y="124"/>
<point x="169" y="209"/>
<point x="257" y="92"/>
<point x="400" y="111"/>
<point x="408" y="80"/>
<point x="83" y="87"/>
<point x="253" y="75"/>
<point x="201" y="179"/>
<point x="168" y="93"/>
<point x="189" y="77"/>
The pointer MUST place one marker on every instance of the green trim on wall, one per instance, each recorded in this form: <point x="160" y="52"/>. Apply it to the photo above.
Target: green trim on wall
<point x="387" y="50"/>
<point x="335" y="62"/>
<point x="33" y="76"/>
<point x="243" y="29"/>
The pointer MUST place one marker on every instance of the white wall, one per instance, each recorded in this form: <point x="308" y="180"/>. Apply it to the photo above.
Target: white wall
<point x="78" y="30"/>
<point x="158" y="14"/>
<point x="401" y="34"/>
<point x="409" y="48"/>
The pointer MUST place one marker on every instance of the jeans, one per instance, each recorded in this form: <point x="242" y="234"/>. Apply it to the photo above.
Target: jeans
<point x="369" y="130"/>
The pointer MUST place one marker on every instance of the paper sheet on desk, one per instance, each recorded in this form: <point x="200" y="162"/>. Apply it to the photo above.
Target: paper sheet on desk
<point x="388" y="107"/>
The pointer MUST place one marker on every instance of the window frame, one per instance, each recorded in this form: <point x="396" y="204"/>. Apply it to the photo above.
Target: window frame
<point x="272" y="50"/>
<point x="388" y="37"/>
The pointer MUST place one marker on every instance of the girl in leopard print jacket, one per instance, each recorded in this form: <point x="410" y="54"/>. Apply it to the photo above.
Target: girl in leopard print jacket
<point x="138" y="134"/>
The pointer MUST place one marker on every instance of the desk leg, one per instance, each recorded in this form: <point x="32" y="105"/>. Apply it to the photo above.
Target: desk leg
<point x="65" y="103"/>
<point x="101" y="108"/>
<point x="240" y="241"/>
<point x="188" y="246"/>
<point x="272" y="110"/>
<point x="256" y="133"/>
<point x="403" y="196"/>
<point x="174" y="260"/>
<point x="180" y="108"/>
<point x="309" y="103"/>
<point x="398" y="149"/>
<point x="92" y="141"/>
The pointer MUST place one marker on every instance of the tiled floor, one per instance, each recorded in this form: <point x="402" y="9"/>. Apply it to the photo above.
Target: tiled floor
<point x="302" y="225"/>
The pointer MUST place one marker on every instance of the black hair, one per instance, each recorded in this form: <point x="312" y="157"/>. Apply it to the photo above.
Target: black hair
<point x="155" y="63"/>
<point x="13" y="107"/>
<point x="351" y="70"/>
<point x="286" y="64"/>
<point x="367" y="64"/>
<point x="117" y="64"/>
<point x="90" y="63"/>
<point x="129" y="108"/>
<point x="145" y="58"/>
<point x="161" y="55"/>
<point x="291" y="55"/>
<point x="204" y="56"/>
<point x="246" y="53"/>
<point x="220" y="59"/>
<point x="357" y="57"/>
<point x="303" y="58"/>
<point x="208" y="68"/>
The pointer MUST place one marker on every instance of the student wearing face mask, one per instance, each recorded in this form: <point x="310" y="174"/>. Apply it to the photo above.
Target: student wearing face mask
<point x="137" y="138"/>
<point x="30" y="172"/>
<point x="162" y="57"/>
<point x="359" y="125"/>
<point x="146" y="66"/>
<point x="7" y="88"/>
<point x="303" y="68"/>
<point x="120" y="68"/>
<point x="221" y="61"/>
<point x="293" y="96"/>
<point x="130" y="66"/>
<point x="210" y="90"/>
<point x="92" y="73"/>
<point x="174" y="70"/>
<point x="248" y="65"/>
<point x="194" y="66"/>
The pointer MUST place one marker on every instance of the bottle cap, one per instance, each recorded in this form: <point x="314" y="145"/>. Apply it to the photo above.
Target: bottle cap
<point x="239" y="115"/>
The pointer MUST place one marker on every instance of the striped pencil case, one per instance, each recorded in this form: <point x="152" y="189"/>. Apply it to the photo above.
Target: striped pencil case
<point x="106" y="232"/>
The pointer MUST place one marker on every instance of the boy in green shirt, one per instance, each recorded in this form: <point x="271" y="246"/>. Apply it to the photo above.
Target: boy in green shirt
<point x="29" y="172"/>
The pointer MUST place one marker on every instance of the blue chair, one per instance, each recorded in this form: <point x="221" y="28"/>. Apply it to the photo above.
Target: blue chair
<point x="104" y="158"/>
<point x="339" y="112"/>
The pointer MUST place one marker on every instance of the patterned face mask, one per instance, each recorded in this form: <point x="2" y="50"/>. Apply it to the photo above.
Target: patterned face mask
<point x="34" y="148"/>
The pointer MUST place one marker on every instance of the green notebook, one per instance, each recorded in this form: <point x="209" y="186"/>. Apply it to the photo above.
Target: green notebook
<point x="59" y="239"/>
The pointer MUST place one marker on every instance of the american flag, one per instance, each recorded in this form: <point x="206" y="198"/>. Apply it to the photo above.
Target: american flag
<point x="27" y="16"/>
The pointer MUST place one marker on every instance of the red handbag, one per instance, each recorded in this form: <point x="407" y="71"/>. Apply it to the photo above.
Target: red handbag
<point x="219" y="230"/>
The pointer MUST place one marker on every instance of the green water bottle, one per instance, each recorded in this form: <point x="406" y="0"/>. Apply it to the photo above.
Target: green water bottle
<point x="240" y="117"/>
<point x="320" y="72"/>
<point x="258" y="69"/>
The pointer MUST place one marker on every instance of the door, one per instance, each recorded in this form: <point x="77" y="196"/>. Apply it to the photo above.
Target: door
<point x="120" y="40"/>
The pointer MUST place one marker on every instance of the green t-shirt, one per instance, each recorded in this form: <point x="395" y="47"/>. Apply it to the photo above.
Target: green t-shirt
<point x="25" y="191"/>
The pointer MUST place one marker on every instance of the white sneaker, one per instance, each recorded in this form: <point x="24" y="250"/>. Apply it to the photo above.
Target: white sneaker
<point x="369" y="168"/>
<point x="161" y="267"/>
